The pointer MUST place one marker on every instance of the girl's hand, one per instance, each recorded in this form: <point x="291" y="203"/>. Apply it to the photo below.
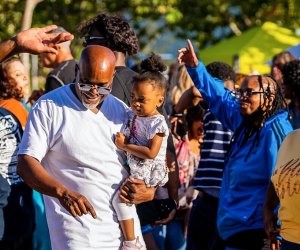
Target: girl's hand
<point x="187" y="55"/>
<point x="120" y="140"/>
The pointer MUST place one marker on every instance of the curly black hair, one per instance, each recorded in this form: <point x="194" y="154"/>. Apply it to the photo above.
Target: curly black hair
<point x="117" y="30"/>
<point x="152" y="69"/>
<point x="221" y="70"/>
<point x="7" y="89"/>
<point x="291" y="76"/>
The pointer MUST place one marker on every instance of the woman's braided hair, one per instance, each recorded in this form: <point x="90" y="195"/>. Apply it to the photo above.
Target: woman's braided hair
<point x="248" y="129"/>
<point x="278" y="100"/>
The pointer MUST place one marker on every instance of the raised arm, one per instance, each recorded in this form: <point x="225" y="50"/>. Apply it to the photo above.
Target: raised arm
<point x="34" y="41"/>
<point x="219" y="99"/>
<point x="35" y="176"/>
<point x="188" y="55"/>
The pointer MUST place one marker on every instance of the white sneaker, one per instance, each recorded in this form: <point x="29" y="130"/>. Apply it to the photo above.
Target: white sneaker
<point x="132" y="246"/>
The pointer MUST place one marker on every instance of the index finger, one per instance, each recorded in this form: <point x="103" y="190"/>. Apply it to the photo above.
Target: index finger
<point x="190" y="46"/>
<point x="62" y="37"/>
<point x="90" y="209"/>
<point x="48" y="28"/>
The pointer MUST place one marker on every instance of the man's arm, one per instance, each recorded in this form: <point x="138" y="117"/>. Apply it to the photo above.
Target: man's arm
<point x="35" y="176"/>
<point x="34" y="41"/>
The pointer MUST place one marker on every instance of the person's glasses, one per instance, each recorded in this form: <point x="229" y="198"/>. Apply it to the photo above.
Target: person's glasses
<point x="246" y="93"/>
<point x="83" y="86"/>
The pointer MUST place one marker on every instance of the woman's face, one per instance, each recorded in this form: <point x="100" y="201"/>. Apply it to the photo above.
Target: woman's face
<point x="17" y="75"/>
<point x="252" y="96"/>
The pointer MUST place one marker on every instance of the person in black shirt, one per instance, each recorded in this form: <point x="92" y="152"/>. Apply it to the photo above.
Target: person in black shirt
<point x="63" y="65"/>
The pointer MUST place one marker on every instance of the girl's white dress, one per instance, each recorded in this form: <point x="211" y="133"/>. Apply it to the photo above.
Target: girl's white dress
<point x="140" y="130"/>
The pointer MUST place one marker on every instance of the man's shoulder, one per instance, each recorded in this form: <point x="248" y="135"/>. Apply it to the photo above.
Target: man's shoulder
<point x="63" y="68"/>
<point x="58" y="96"/>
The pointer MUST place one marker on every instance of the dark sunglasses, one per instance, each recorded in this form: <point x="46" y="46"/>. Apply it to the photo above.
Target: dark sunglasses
<point x="87" y="86"/>
<point x="247" y="93"/>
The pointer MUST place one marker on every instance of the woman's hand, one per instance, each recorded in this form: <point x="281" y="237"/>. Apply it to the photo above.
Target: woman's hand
<point x="187" y="55"/>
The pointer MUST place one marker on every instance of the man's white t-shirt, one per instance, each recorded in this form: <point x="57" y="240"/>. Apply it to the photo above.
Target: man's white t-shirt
<point x="76" y="147"/>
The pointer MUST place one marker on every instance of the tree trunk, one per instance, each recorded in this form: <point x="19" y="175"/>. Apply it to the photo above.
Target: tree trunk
<point x="26" y="24"/>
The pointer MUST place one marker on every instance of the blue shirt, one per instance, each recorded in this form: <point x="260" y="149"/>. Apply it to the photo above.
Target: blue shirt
<point x="249" y="166"/>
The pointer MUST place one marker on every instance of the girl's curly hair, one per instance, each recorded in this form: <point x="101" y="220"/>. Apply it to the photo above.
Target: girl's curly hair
<point x="152" y="69"/>
<point x="117" y="30"/>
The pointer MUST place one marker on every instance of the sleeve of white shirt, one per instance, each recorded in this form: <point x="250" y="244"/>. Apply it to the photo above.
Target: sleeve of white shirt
<point x="36" y="138"/>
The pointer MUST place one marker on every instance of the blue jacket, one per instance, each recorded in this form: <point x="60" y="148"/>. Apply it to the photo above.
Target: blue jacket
<point x="246" y="175"/>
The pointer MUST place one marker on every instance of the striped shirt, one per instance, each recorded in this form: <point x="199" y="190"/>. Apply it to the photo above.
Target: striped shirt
<point x="209" y="174"/>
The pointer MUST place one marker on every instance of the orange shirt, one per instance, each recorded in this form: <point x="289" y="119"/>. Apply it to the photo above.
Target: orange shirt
<point x="16" y="108"/>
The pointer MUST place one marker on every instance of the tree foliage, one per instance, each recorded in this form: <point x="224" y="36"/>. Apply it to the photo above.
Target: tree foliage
<point x="205" y="21"/>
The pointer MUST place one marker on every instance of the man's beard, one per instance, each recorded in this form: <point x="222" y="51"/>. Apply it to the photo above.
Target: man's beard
<point x="90" y="106"/>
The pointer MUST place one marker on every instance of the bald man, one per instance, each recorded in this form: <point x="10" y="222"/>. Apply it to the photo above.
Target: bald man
<point x="68" y="154"/>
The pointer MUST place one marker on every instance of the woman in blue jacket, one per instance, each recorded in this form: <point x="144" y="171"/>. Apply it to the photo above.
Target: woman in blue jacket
<point x="256" y="115"/>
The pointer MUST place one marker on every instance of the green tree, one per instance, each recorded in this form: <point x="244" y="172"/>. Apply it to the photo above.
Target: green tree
<point x="205" y="21"/>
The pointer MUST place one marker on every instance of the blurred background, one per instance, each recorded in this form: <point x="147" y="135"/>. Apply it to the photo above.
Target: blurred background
<point x="245" y="34"/>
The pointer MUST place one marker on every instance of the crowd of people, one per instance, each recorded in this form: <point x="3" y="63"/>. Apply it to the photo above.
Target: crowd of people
<point x="109" y="157"/>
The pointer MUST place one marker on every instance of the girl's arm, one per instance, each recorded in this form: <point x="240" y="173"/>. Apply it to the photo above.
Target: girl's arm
<point x="142" y="152"/>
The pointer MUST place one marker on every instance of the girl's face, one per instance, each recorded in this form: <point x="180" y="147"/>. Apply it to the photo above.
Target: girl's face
<point x="16" y="74"/>
<point x="145" y="99"/>
<point x="197" y="129"/>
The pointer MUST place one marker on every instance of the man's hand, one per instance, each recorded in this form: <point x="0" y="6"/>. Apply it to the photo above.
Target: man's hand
<point x="76" y="204"/>
<point x="187" y="55"/>
<point x="120" y="140"/>
<point x="38" y="41"/>
<point x="135" y="191"/>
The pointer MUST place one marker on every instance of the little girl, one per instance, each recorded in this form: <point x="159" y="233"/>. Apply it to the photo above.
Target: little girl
<point x="144" y="139"/>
